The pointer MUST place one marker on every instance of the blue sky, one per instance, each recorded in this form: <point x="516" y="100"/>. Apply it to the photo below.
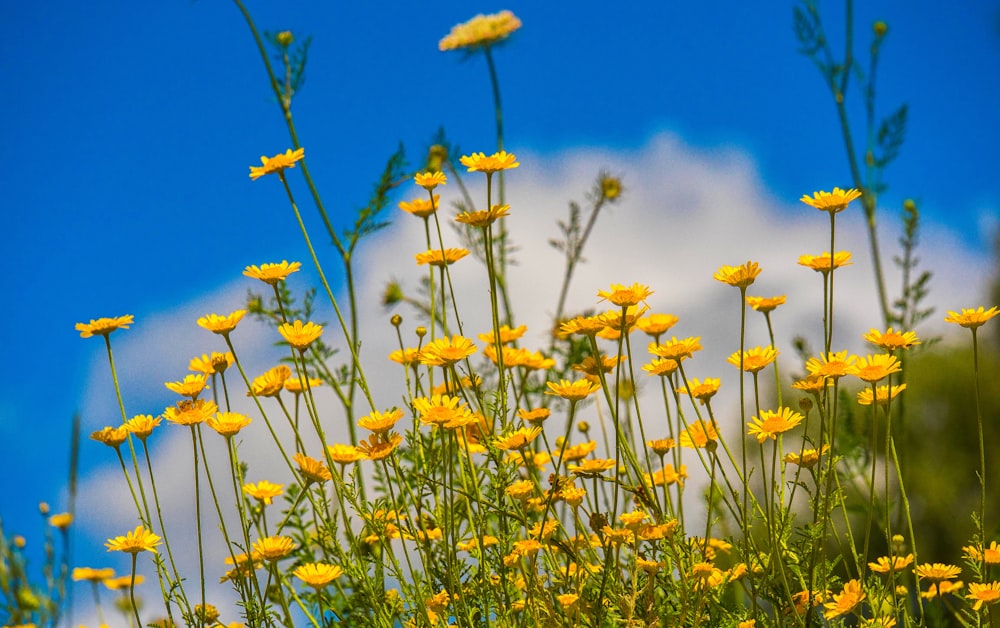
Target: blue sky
<point x="130" y="127"/>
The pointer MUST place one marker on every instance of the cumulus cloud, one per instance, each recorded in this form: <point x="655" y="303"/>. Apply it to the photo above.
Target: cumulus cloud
<point x="685" y="212"/>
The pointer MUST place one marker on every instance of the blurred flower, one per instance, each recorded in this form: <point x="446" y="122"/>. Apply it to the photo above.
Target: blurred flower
<point x="656" y="324"/>
<point x="480" y="31"/>
<point x="832" y="202"/>
<point x="698" y="435"/>
<point x="983" y="594"/>
<point x="577" y="452"/>
<point x="104" y="326"/>
<point x="110" y="436"/>
<point x="296" y="385"/>
<point x="344" y="454"/>
<point x="591" y="467"/>
<point x="92" y="575"/>
<point x="884" y="564"/>
<point x="806" y="458"/>
<point x="61" y="520"/>
<point x="483" y="217"/>
<point x="572" y="391"/>
<point x="138" y="540"/>
<point x="420" y="207"/>
<point x="439" y="257"/>
<point x="270" y="383"/>
<point x="991" y="555"/>
<point x="765" y="304"/>
<point x="882" y="394"/>
<point x="276" y="164"/>
<point x="738" y="276"/>
<point x="430" y="180"/>
<point x="661" y="445"/>
<point x="272" y="273"/>
<point x="821" y="263"/>
<point x="479" y="162"/>
<point x="123" y="582"/>
<point x="940" y="589"/>
<point x="535" y="415"/>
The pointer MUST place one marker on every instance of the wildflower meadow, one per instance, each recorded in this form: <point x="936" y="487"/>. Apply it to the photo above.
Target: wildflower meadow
<point x="596" y="471"/>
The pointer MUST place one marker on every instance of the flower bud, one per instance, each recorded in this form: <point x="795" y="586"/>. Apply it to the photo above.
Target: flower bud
<point x="284" y="38"/>
<point x="583" y="426"/>
<point x="43" y="507"/>
<point x="396" y="320"/>
<point x="421" y="331"/>
<point x="805" y="404"/>
<point x="880" y="28"/>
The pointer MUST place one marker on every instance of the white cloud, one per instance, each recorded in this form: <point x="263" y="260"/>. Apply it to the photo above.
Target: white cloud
<point x="685" y="213"/>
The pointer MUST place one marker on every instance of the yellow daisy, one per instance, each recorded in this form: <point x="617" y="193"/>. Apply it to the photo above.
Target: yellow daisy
<point x="983" y="594"/>
<point x="970" y="318"/>
<point x="765" y="304"/>
<point x="772" y="423"/>
<point x="845" y="601"/>
<point x="447" y="351"/>
<point x="221" y="324"/>
<point x="272" y="273"/>
<point x="437" y="257"/>
<point x="738" y="276"/>
<point x="104" y="326"/>
<point x="656" y="324"/>
<point x="379" y="446"/>
<point x="832" y="202"/>
<point x="430" y="180"/>
<point x="344" y="454"/>
<point x="270" y="383"/>
<point x="882" y="394"/>
<point x="317" y="575"/>
<point x="420" y="207"/>
<point x="675" y="349"/>
<point x="698" y="435"/>
<point x="480" y="31"/>
<point x="480" y="162"/>
<point x="380" y="423"/>
<point x="821" y="263"/>
<point x="228" y="424"/>
<point x="276" y="164"/>
<point x="755" y="359"/>
<point x="873" y="368"/>
<point x="271" y="548"/>
<point x="483" y="217"/>
<point x="191" y="386"/>
<point x="311" y="469"/>
<point x="264" y="491"/>
<point x="188" y="412"/>
<point x="518" y="439"/>
<point x="138" y="540"/>
<point x="573" y="391"/>
<point x="300" y="335"/>
<point x="625" y="295"/>
<point x="891" y="339"/>
<point x="701" y="390"/>
<point x="142" y="425"/>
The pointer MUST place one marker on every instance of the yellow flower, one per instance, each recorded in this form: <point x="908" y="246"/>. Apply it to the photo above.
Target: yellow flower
<point x="814" y="384"/>
<point x="111" y="436"/>
<point x="483" y="217"/>
<point x="506" y="334"/>
<point x="443" y="411"/>
<point x="344" y="454"/>
<point x="941" y="589"/>
<point x="296" y="385"/>
<point x="190" y="412"/>
<point x="519" y="438"/>
<point x="970" y="318"/>
<point x="567" y="600"/>
<point x="983" y="594"/>
<point x="228" y="424"/>
<point x="656" y="324"/>
<point x="407" y="357"/>
<point x="991" y="554"/>
<point x="875" y="367"/>
<point x="617" y="536"/>
<point x="844" y="602"/>
<point x="221" y="324"/>
<point x="770" y="424"/>
<point x="420" y="207"/>
<point x="698" y="435"/>
<point x="577" y="452"/>
<point x="807" y="458"/>
<point x="272" y="273"/>
<point x="661" y="366"/>
<point x="300" y="335"/>
<point x="591" y="467"/>
<point x="311" y="469"/>
<point x="583" y="325"/>
<point x="892" y="340"/>
<point x="936" y="572"/>
<point x="61" y="520"/>
<point x="633" y="519"/>
<point x="897" y="563"/>
<point x="535" y="415"/>
<point x="92" y="575"/>
<point x="882" y="394"/>
<point x="573" y="496"/>
<point x="479" y="162"/>
<point x="430" y="180"/>
<point x="123" y="582"/>
<point x="738" y="276"/>
<point x="271" y="548"/>
<point x="480" y="31"/>
<point x="317" y="575"/>
<point x="661" y="446"/>
<point x="702" y="391"/>
<point x="625" y="295"/>
<point x="190" y="387"/>
<point x="270" y="383"/>
<point x="832" y="202"/>
<point x="675" y="349"/>
<point x="104" y="326"/>
<point x="380" y="423"/>
<point x="138" y="540"/>
<point x="765" y="304"/>
<point x="379" y="446"/>
<point x="522" y="489"/>
<point x="445" y="351"/>
<point x="276" y="164"/>
<point x="832" y="365"/>
<point x="210" y="364"/>
<point x="821" y="263"/>
<point x="753" y="360"/>
<point x="572" y="391"/>
<point x="264" y="491"/>
<point x="437" y="257"/>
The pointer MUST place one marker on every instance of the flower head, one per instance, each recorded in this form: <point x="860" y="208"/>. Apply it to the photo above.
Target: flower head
<point x="444" y="411"/>
<point x="675" y="349"/>
<point x="772" y="423"/>
<point x="430" y="180"/>
<point x="481" y="31"/>
<point x="380" y="423"/>
<point x="483" y="217"/>
<point x="970" y="318"/>
<point x="189" y="412"/>
<point x="344" y="454"/>
<point x="882" y="394"/>
<point x="832" y="202"/>
<point x="439" y="257"/>
<point x="668" y="475"/>
<point x="698" y="435"/>
<point x="875" y="367"/>
<point x="271" y="548"/>
<point x="92" y="575"/>
<point x="210" y="364"/>
<point x="138" y="540"/>
<point x="191" y="386"/>
<point x="519" y="438"/>
<point x="806" y="458"/>
<point x="591" y="467"/>
<point x="221" y="324"/>
<point x="577" y="452"/>
<point x="822" y="263"/>
<point x="936" y="572"/>
<point x="264" y="491"/>
<point x="272" y="273"/>
<point x="701" y="390"/>
<point x="844" y="602"/>
<point x="535" y="415"/>
<point x="573" y="391"/>
<point x="753" y="360"/>
<point x="317" y="575"/>
<point x="891" y="339"/>
<point x="480" y="162"/>
<point x="276" y="164"/>
<point x="656" y="324"/>
<point x="270" y="383"/>
<point x="61" y="520"/>
<point x="104" y="326"/>
<point x="296" y="385"/>
<point x="625" y="295"/>
<point x="228" y="424"/>
<point x="738" y="276"/>
<point x="447" y="351"/>
<point x="884" y="564"/>
<point x="420" y="207"/>
<point x="379" y="446"/>
<point x="311" y="469"/>
<point x="832" y="365"/>
<point x="765" y="304"/>
<point x="983" y="594"/>
<point x="111" y="436"/>
<point x="300" y="335"/>
<point x="583" y="325"/>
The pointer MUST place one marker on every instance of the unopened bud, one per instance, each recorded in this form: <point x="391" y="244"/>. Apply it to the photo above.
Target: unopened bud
<point x="805" y="404"/>
<point x="284" y="38"/>
<point x="880" y="28"/>
<point x="396" y="320"/>
<point x="43" y="508"/>
<point x="583" y="426"/>
<point x="435" y="157"/>
<point x="421" y="331"/>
